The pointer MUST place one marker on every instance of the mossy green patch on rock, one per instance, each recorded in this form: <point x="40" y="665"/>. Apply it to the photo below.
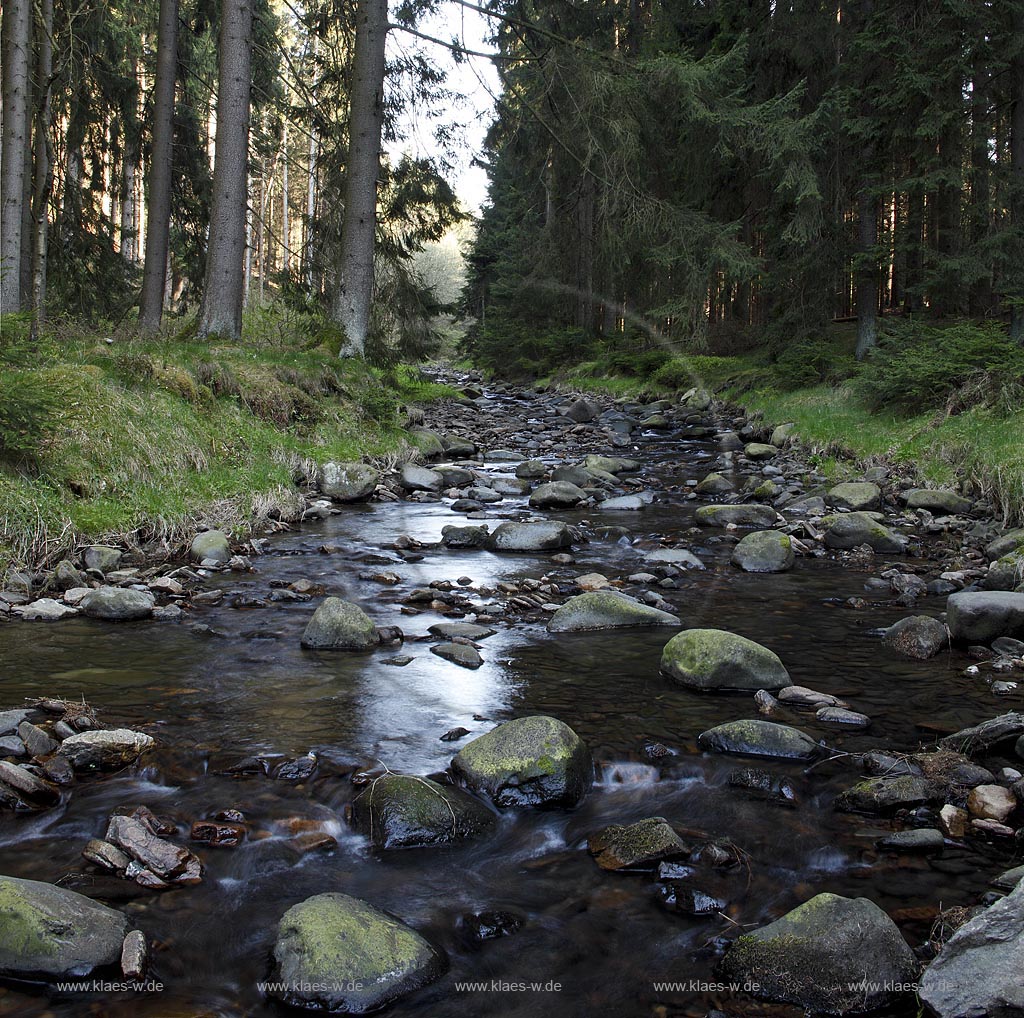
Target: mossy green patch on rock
<point x="604" y="609"/>
<point x="851" y="530"/>
<point x="713" y="659"/>
<point x="764" y="551"/>
<point x="886" y="794"/>
<point x="638" y="846"/>
<point x="50" y="932"/>
<point x="342" y="954"/>
<point x="340" y="625"/>
<point x="533" y="761"/>
<point x="753" y="737"/>
<point x="830" y="955"/>
<point x="741" y="515"/>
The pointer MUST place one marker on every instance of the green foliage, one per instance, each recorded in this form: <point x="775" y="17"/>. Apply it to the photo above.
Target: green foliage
<point x="32" y="408"/>
<point x="919" y="367"/>
<point x="812" y="362"/>
<point x="520" y="350"/>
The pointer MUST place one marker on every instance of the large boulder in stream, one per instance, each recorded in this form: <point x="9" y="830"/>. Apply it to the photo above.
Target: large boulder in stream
<point x="417" y="478"/>
<point x="211" y="546"/>
<point x="983" y="616"/>
<point x="759" y="738"/>
<point x="340" y="625"/>
<point x="47" y="932"/>
<point x="610" y="464"/>
<point x="764" y="551"/>
<point x="851" y="530"/>
<point x="937" y="500"/>
<point x="639" y="846"/>
<point x="761" y="516"/>
<point x="1006" y="573"/>
<point x="917" y="636"/>
<point x="546" y="535"/>
<point x="348" y="482"/>
<point x="341" y="954"/>
<point x="404" y="811"/>
<point x="855" y="495"/>
<point x="979" y="970"/>
<point x="534" y="761"/>
<point x="713" y="659"/>
<point x="557" y="495"/>
<point x="118" y="604"/>
<point x="606" y="609"/>
<point x="105" y="750"/>
<point x="830" y="955"/>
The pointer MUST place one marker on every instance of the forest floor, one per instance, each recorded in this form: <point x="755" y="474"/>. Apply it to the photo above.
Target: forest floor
<point x="977" y="446"/>
<point x="124" y="441"/>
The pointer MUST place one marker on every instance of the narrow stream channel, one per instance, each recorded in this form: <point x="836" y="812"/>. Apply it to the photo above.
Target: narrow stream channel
<point x="245" y="687"/>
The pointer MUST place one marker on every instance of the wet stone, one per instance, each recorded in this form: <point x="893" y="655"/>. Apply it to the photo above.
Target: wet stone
<point x="637" y="846"/>
<point x="490" y="925"/>
<point x="461" y="654"/>
<point x="691" y="901"/>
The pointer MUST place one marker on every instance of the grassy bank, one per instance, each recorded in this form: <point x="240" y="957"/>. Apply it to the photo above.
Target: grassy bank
<point x="967" y="429"/>
<point x="120" y="439"/>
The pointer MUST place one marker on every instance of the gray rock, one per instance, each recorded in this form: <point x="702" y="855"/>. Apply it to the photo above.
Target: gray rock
<point x="36" y="741"/>
<point x="158" y="855"/>
<point x="1009" y="879"/>
<point x="856" y="495"/>
<point x="611" y="464"/>
<point x="923" y="840"/>
<point x="118" y="604"/>
<point x="606" y="609"/>
<point x="1006" y="573"/>
<point x="764" y="551"/>
<point x="886" y="794"/>
<point x="532" y="761"/>
<point x="134" y="955"/>
<point x="715" y="484"/>
<point x="211" y="545"/>
<point x="457" y="446"/>
<point x="417" y="478"/>
<point x="428" y="442"/>
<point x="402" y="811"/>
<point x="680" y="557"/>
<point x="712" y="659"/>
<point x="979" y="738"/>
<point x="1010" y="541"/>
<point x="978" y="971"/>
<point x="340" y="625"/>
<point x="66" y="576"/>
<point x="937" y="500"/>
<point x="982" y="616"/>
<point x="851" y="530"/>
<point x="531" y="470"/>
<point x="339" y="953"/>
<point x="782" y="434"/>
<point x="625" y="503"/>
<point x="639" y="846"/>
<point x="831" y="955"/>
<point x="513" y="486"/>
<point x="349" y="482"/>
<point x="557" y="495"/>
<point x="50" y="933"/>
<point x="11" y="745"/>
<point x="465" y="537"/>
<point x="918" y="636"/>
<point x="106" y="856"/>
<point x="759" y="738"/>
<point x="760" y="516"/>
<point x="530" y="537"/>
<point x="46" y="609"/>
<point x="10" y="719"/>
<point x="461" y="654"/>
<point x="467" y="630"/>
<point x="842" y="716"/>
<point x="105" y="750"/>
<point x="581" y="477"/>
<point x="26" y="786"/>
<point x="582" y="411"/>
<point x="101" y="558"/>
<point x="759" y="451"/>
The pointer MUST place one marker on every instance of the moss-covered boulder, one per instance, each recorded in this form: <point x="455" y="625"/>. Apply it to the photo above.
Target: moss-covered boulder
<point x="639" y="846"/>
<point x="211" y="545"/>
<point x="118" y="604"/>
<point x="610" y="464"/>
<point x="348" y="482"/>
<point x="937" y="500"/>
<point x="417" y="478"/>
<point x="1012" y="540"/>
<point x="1006" y="573"/>
<point x="886" y="794"/>
<point x="340" y="625"/>
<point x="764" y="551"/>
<point x="856" y="495"/>
<point x="715" y="484"/>
<point x="605" y="609"/>
<point x="47" y="932"/>
<point x="830" y="955"/>
<point x="759" y="738"/>
<point x="403" y="811"/>
<point x="429" y="443"/>
<point x="557" y="495"/>
<point x="530" y="537"/>
<point x="713" y="659"/>
<point x="759" y="451"/>
<point x="534" y="761"/>
<point x="761" y="516"/>
<point x="851" y="530"/>
<point x="917" y="636"/>
<point x="984" y="615"/>
<point x="342" y="954"/>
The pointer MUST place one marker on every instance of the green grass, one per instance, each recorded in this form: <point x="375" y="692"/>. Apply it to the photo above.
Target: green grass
<point x="154" y="439"/>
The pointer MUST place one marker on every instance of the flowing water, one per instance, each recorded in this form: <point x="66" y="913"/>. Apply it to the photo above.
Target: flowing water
<point x="247" y="687"/>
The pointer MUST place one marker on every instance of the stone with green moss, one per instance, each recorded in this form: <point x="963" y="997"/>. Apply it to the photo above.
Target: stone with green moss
<point x="851" y="530"/>
<point x="937" y="500"/>
<point x="534" y="761"/>
<point x="340" y="625"/>
<point x="341" y="954"/>
<point x="759" y="451"/>
<point x="715" y="484"/>
<point x="761" y="516"/>
<point x="348" y="482"/>
<point x="639" y="846"/>
<point x="857" y="495"/>
<point x="713" y="659"/>
<point x="429" y="443"/>
<point x="830" y="955"/>
<point x="764" y="551"/>
<point x="211" y="545"/>
<point x="404" y="811"/>
<point x="610" y="464"/>
<point x="759" y="738"/>
<point x="605" y="609"/>
<point x="47" y="932"/>
<point x="1006" y="573"/>
<point x="1013" y="540"/>
<point x="886" y="794"/>
<point x="546" y="535"/>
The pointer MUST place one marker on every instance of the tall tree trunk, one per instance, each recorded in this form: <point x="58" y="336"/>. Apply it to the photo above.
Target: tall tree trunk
<point x="1017" y="178"/>
<point x="154" y="276"/>
<point x="981" y="287"/>
<point x="16" y="46"/>
<point x="286" y="241"/>
<point x="128" y="243"/>
<point x="866" y="273"/>
<point x="355" y="284"/>
<point x="44" y="164"/>
<point x="225" y="262"/>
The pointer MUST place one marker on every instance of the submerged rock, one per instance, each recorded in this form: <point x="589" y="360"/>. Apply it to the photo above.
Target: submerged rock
<point x="759" y="738"/>
<point x="764" y="551"/>
<point x="340" y="625"/>
<point x="978" y="971"/>
<point x="49" y="932"/>
<point x="118" y="604"/>
<point x="982" y="616"/>
<point x="638" y="846"/>
<point x="831" y="955"/>
<point x="403" y="811"/>
<point x="605" y="609"/>
<point x="532" y="761"/>
<point x="342" y="954"/>
<point x="713" y="659"/>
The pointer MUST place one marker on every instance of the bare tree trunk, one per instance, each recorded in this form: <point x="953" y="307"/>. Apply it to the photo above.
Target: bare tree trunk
<point x="129" y="243"/>
<point x="16" y="44"/>
<point x="355" y="284"/>
<point x="247" y="280"/>
<point x="44" y="165"/>
<point x="307" y="237"/>
<point x="1017" y="178"/>
<point x="867" y="273"/>
<point x="154" y="277"/>
<point x="286" y="242"/>
<point x="225" y="263"/>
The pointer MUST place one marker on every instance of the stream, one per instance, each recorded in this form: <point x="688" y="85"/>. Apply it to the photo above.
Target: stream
<point x="246" y="687"/>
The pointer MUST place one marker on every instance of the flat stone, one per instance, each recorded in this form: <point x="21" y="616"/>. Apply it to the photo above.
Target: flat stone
<point x="937" y="500"/>
<point x="759" y="738"/>
<point x="760" y="516"/>
<point x="461" y="654"/>
<point x="36" y="741"/>
<point x="606" y="609"/>
<point x="28" y="787"/>
<point x="682" y="558"/>
<point x="118" y="604"/>
<point x="983" y="616"/>
<point x="924" y="840"/>
<point x="467" y="630"/>
<point x="638" y="846"/>
<point x="842" y="716"/>
<point x="46" y="609"/>
<point x="161" y="857"/>
<point x="104" y="750"/>
<point x="886" y="794"/>
<point x="530" y="537"/>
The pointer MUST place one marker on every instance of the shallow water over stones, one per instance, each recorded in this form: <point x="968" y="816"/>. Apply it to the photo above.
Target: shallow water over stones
<point x="244" y="687"/>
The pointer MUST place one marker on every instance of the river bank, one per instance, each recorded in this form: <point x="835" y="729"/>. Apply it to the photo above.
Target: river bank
<point x="558" y="561"/>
